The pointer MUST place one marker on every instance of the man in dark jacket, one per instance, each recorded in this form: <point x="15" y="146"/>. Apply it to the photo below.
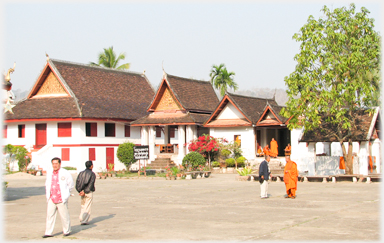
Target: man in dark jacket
<point x="85" y="185"/>
<point x="264" y="175"/>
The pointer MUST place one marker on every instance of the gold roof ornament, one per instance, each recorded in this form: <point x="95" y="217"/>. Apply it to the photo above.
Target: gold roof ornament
<point x="7" y="75"/>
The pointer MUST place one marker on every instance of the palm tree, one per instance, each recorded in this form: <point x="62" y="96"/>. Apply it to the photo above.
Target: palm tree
<point x="108" y="59"/>
<point x="221" y="79"/>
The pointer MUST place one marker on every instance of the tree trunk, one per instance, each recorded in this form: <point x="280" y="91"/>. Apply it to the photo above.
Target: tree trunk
<point x="347" y="157"/>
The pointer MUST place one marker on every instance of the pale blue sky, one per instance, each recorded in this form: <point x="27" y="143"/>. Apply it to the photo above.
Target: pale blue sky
<point x="252" y="38"/>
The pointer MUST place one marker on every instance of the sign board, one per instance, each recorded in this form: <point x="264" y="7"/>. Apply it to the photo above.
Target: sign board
<point x="141" y="152"/>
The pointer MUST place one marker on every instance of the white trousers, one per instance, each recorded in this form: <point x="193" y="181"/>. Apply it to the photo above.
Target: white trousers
<point x="86" y="203"/>
<point x="52" y="209"/>
<point x="264" y="189"/>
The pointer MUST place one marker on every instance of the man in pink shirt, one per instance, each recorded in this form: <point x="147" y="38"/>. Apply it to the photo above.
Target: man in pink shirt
<point x="58" y="186"/>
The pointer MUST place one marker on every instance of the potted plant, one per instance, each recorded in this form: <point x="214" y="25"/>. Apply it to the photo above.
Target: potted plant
<point x="244" y="173"/>
<point x="175" y="171"/>
<point x="110" y="169"/>
<point x="230" y="162"/>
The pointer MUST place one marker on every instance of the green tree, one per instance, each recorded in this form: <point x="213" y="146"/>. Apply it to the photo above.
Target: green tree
<point x="108" y="59"/>
<point x="338" y="53"/>
<point x="221" y="79"/>
<point x="193" y="160"/>
<point x="125" y="154"/>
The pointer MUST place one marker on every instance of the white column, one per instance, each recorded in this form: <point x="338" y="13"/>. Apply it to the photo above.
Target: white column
<point x="151" y="142"/>
<point x="144" y="135"/>
<point x="189" y="135"/>
<point x="311" y="159"/>
<point x="181" y="136"/>
<point x="376" y="152"/>
<point x="362" y="166"/>
<point x="166" y="134"/>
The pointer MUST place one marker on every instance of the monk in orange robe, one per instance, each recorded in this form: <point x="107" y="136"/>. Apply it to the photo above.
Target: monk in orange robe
<point x="288" y="149"/>
<point x="259" y="150"/>
<point x="266" y="150"/>
<point x="290" y="177"/>
<point x="273" y="151"/>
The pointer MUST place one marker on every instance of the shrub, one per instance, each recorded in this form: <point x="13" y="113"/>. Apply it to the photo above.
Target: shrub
<point x="225" y="153"/>
<point x="215" y="164"/>
<point x="241" y="161"/>
<point x="230" y="162"/>
<point x="125" y="154"/>
<point x="69" y="168"/>
<point x="193" y="159"/>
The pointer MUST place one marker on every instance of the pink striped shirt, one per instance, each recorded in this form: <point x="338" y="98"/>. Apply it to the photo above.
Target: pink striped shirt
<point x="55" y="188"/>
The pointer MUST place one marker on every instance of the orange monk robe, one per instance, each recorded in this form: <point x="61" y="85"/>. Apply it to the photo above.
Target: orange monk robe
<point x="288" y="150"/>
<point x="290" y="178"/>
<point x="259" y="149"/>
<point x="266" y="150"/>
<point x="273" y="151"/>
<point x="370" y="163"/>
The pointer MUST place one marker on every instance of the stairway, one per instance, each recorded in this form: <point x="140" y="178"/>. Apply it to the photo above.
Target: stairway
<point x="161" y="162"/>
<point x="275" y="166"/>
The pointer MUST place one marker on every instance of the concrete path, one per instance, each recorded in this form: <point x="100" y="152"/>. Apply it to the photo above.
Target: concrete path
<point x="218" y="208"/>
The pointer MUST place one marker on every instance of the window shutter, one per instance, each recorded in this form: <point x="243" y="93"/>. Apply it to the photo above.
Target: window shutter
<point x="92" y="154"/>
<point x="127" y="131"/>
<point x="64" y="129"/>
<point x="65" y="154"/>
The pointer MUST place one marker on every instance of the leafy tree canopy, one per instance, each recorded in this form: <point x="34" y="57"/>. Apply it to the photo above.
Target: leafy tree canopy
<point x="108" y="59"/>
<point x="125" y="154"/>
<point x="337" y="68"/>
<point x="221" y="79"/>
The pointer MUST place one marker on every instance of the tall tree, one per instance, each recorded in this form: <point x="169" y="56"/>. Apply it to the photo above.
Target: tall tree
<point x="108" y="59"/>
<point x="221" y="79"/>
<point x="336" y="73"/>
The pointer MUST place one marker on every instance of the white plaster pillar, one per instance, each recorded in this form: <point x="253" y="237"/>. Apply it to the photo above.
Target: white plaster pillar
<point x="362" y="166"/>
<point x="181" y="142"/>
<point x="166" y="134"/>
<point x="151" y="142"/>
<point x="190" y="134"/>
<point x="311" y="159"/>
<point x="144" y="135"/>
<point x="376" y="148"/>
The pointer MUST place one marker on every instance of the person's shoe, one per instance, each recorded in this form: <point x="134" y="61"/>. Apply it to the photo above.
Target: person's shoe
<point x="67" y="234"/>
<point x="46" y="236"/>
<point x="286" y="196"/>
<point x="293" y="197"/>
<point x="264" y="197"/>
<point x="84" y="223"/>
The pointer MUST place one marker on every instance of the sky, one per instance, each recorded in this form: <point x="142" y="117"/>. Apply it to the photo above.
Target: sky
<point x="252" y="38"/>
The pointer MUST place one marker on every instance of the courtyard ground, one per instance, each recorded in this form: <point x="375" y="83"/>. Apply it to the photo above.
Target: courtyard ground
<point x="218" y="208"/>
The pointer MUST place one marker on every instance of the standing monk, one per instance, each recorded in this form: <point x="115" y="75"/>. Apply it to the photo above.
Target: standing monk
<point x="274" y="152"/>
<point x="288" y="149"/>
<point x="290" y="177"/>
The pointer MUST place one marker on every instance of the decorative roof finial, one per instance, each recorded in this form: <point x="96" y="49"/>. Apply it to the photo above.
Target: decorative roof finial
<point x="47" y="57"/>
<point x="7" y="75"/>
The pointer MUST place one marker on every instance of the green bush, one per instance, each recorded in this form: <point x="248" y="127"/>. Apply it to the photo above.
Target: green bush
<point x="215" y="164"/>
<point x="193" y="159"/>
<point x="69" y="168"/>
<point x="241" y="161"/>
<point x="230" y="162"/>
<point x="225" y="153"/>
<point x="125" y="154"/>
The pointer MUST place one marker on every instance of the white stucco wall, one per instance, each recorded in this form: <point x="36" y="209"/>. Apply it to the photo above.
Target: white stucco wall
<point x="247" y="138"/>
<point x="229" y="112"/>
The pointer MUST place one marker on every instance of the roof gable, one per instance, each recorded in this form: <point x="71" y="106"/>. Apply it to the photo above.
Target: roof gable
<point x="165" y="99"/>
<point x="268" y="118"/>
<point x="226" y="114"/>
<point x="48" y="84"/>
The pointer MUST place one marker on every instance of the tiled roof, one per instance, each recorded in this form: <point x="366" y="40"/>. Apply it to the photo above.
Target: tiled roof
<point x="99" y="93"/>
<point x="194" y="95"/>
<point x="160" y="118"/>
<point x="59" y="107"/>
<point x="253" y="107"/>
<point x="361" y="133"/>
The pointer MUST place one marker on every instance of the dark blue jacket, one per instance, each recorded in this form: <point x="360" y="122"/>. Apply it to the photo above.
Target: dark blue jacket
<point x="263" y="170"/>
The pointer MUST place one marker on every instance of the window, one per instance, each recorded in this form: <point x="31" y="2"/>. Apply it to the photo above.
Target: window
<point x="158" y="132"/>
<point x="91" y="129"/>
<point x="109" y="129"/>
<point x="21" y="130"/>
<point x="65" y="154"/>
<point x="127" y="131"/>
<point x="5" y="131"/>
<point x="64" y="129"/>
<point x="92" y="154"/>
